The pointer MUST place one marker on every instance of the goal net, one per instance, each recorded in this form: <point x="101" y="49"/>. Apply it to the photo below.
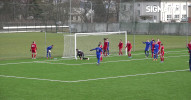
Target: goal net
<point x="87" y="41"/>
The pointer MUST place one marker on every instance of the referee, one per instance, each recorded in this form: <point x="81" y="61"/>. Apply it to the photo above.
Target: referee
<point x="81" y="55"/>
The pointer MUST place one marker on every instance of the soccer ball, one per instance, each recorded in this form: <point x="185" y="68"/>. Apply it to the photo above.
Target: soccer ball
<point x="88" y="58"/>
<point x="49" y="50"/>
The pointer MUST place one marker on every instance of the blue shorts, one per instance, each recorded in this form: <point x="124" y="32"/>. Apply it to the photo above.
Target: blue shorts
<point x="98" y="56"/>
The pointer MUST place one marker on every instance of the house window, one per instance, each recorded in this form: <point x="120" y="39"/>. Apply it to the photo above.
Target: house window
<point x="176" y="16"/>
<point x="155" y="17"/>
<point x="184" y="16"/>
<point x="169" y="16"/>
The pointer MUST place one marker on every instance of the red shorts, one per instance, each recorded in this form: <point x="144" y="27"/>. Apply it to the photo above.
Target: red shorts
<point x="120" y="49"/>
<point x="152" y="50"/>
<point x="162" y="53"/>
<point x="104" y="48"/>
<point x="33" y="51"/>
<point x="128" y="50"/>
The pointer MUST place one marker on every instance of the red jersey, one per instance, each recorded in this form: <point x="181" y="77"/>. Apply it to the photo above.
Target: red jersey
<point x="120" y="45"/>
<point x="162" y="49"/>
<point x="153" y="46"/>
<point x="159" y="42"/>
<point x="189" y="46"/>
<point x="129" y="46"/>
<point x="33" y="46"/>
<point x="105" y="45"/>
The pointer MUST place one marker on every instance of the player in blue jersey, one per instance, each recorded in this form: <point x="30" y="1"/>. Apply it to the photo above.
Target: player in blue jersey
<point x="98" y="53"/>
<point x="156" y="50"/>
<point x="151" y="44"/>
<point x="147" y="48"/>
<point x="49" y="48"/>
<point x="107" y="47"/>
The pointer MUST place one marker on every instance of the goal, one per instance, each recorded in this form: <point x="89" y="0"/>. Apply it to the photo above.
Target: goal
<point x="88" y="41"/>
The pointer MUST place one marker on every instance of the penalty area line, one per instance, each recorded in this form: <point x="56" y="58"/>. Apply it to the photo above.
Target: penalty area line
<point x="104" y="78"/>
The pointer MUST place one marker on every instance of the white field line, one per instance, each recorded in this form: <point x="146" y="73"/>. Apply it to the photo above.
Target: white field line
<point x="88" y="63"/>
<point x="105" y="78"/>
<point x="45" y="61"/>
<point x="110" y="61"/>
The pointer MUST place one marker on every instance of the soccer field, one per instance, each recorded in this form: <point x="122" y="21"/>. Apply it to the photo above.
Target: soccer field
<point x="116" y="78"/>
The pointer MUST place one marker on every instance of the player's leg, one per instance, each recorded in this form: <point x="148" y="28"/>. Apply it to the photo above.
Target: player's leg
<point x="108" y="51"/>
<point x="101" y="58"/>
<point x="121" y="51"/>
<point x="148" y="53"/>
<point x="35" y="54"/>
<point x="155" y="56"/>
<point x="145" y="52"/>
<point x="49" y="54"/>
<point x="98" y="59"/>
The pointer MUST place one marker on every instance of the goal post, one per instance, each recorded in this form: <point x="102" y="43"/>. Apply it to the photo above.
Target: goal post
<point x="87" y="41"/>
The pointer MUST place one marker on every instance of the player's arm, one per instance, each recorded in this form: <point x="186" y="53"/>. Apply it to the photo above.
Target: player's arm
<point x="93" y="49"/>
<point x="143" y="42"/>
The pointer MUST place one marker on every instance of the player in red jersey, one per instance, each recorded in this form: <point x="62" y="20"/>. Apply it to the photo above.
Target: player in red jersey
<point x="120" y="47"/>
<point x="101" y="52"/>
<point x="105" y="47"/>
<point x="162" y="53"/>
<point x="33" y="50"/>
<point x="159" y="43"/>
<point x="153" y="46"/>
<point x="189" y="51"/>
<point x="128" y="46"/>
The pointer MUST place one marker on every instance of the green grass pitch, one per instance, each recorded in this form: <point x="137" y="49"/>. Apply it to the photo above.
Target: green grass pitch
<point x="116" y="78"/>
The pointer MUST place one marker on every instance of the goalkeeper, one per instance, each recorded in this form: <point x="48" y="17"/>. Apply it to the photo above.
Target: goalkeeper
<point x="49" y="48"/>
<point x="81" y="55"/>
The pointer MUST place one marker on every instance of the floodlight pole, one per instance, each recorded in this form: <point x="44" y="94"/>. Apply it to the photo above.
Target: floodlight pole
<point x="133" y="25"/>
<point x="187" y="21"/>
<point x="45" y="43"/>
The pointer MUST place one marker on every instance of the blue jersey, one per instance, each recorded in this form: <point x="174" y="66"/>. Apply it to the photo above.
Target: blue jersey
<point x="49" y="48"/>
<point x="147" y="46"/>
<point x="156" y="49"/>
<point x="108" y="45"/>
<point x="98" y="50"/>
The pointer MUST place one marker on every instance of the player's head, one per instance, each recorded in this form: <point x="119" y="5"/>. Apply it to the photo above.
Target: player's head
<point x="99" y="42"/>
<point x="33" y="42"/>
<point x="98" y="45"/>
<point x="161" y="44"/>
<point x="76" y="49"/>
<point x="120" y="40"/>
<point x="52" y="46"/>
<point x="190" y="42"/>
<point x="153" y="41"/>
<point x="158" y="39"/>
<point x="147" y="40"/>
<point x="128" y="41"/>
